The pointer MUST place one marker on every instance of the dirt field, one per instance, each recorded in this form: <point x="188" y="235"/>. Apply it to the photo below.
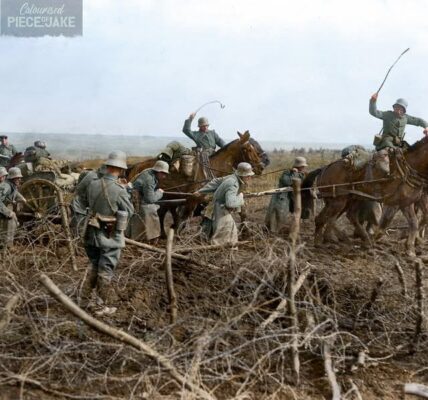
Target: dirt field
<point x="353" y="303"/>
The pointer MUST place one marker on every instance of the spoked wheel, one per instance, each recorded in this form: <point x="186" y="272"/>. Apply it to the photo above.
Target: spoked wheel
<point x="42" y="198"/>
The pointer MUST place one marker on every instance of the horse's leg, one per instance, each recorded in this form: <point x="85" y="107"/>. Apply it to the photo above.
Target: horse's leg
<point x="388" y="214"/>
<point x="409" y="213"/>
<point x="423" y="206"/>
<point x="353" y="214"/>
<point x="162" y="212"/>
<point x="332" y="209"/>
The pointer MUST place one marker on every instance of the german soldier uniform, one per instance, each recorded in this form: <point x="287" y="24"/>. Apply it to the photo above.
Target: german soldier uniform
<point x="145" y="224"/>
<point x="282" y="203"/>
<point x="218" y="223"/>
<point x="6" y="153"/>
<point x="393" y="126"/>
<point x="110" y="207"/>
<point x="208" y="140"/>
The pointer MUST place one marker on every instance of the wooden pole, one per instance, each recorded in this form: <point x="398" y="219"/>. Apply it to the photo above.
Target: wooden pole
<point x="291" y="281"/>
<point x="211" y="247"/>
<point x="123" y="337"/>
<point x="173" y="255"/>
<point x="421" y="320"/>
<point x="172" y="298"/>
<point x="66" y="227"/>
<point x="328" y="365"/>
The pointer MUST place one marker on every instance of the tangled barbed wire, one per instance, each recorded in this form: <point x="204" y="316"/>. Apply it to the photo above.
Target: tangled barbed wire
<point x="233" y="334"/>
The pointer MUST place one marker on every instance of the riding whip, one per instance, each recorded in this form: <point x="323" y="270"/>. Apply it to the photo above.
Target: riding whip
<point x="210" y="102"/>
<point x="396" y="61"/>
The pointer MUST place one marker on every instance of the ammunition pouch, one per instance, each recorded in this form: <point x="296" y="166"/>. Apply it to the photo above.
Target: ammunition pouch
<point x="377" y="140"/>
<point x="103" y="222"/>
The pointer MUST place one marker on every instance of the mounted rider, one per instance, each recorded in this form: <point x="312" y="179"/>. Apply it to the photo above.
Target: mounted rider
<point x="41" y="151"/>
<point x="205" y="139"/>
<point x="394" y="123"/>
<point x="7" y="151"/>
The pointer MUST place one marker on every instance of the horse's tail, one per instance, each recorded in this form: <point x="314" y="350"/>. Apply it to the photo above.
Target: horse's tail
<point x="307" y="197"/>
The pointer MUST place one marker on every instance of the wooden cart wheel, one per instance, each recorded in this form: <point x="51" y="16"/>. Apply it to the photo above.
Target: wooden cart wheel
<point x="41" y="196"/>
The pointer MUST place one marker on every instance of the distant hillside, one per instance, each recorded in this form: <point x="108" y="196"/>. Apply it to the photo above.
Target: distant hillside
<point x="86" y="146"/>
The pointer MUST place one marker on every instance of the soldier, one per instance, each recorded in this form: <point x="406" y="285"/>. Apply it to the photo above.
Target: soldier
<point x="109" y="210"/>
<point x="218" y="224"/>
<point x="7" y="151"/>
<point x="204" y="138"/>
<point x="282" y="203"/>
<point x="145" y="224"/>
<point x="10" y="196"/>
<point x="394" y="123"/>
<point x="41" y="149"/>
<point x="79" y="213"/>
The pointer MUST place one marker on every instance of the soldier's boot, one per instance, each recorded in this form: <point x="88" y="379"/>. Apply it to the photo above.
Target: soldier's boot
<point x="108" y="296"/>
<point x="86" y="297"/>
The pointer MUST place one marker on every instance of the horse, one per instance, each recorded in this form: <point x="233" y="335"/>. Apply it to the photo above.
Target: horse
<point x="16" y="159"/>
<point x="221" y="163"/>
<point x="402" y="188"/>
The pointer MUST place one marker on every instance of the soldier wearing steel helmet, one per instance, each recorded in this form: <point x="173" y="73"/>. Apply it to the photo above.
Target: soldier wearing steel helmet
<point x="394" y="123"/>
<point x="110" y="208"/>
<point x="7" y="151"/>
<point x="10" y="197"/>
<point x="218" y="224"/>
<point x="40" y="147"/>
<point x="204" y="138"/>
<point x="283" y="203"/>
<point x="145" y="224"/>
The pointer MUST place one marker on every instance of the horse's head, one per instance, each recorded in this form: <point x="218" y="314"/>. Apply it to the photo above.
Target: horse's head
<point x="381" y="162"/>
<point x="253" y="153"/>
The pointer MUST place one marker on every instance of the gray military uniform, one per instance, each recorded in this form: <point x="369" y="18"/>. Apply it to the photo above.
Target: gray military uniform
<point x="9" y="195"/>
<point x="145" y="224"/>
<point x="219" y="224"/>
<point x="6" y="153"/>
<point x="79" y="200"/>
<point x="105" y="196"/>
<point x="281" y="203"/>
<point x="205" y="140"/>
<point x="393" y="126"/>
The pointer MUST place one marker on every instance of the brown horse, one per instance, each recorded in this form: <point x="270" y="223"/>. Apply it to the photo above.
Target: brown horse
<point x="404" y="186"/>
<point x="222" y="163"/>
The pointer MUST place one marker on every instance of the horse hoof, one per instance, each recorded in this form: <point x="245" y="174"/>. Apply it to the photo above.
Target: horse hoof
<point x="411" y="253"/>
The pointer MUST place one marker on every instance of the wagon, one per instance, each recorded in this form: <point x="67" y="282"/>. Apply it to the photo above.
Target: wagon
<point x="45" y="193"/>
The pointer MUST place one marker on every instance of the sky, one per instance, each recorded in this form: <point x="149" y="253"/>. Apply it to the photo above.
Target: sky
<point x="286" y="70"/>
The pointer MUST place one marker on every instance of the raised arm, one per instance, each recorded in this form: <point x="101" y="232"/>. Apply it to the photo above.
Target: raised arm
<point x="373" y="107"/>
<point x="187" y="128"/>
<point x="416" y="121"/>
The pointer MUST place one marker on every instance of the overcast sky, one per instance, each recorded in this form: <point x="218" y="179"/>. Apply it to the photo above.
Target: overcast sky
<point x="286" y="70"/>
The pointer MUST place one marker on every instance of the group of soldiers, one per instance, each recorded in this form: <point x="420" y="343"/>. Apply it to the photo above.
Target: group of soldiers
<point x="102" y="206"/>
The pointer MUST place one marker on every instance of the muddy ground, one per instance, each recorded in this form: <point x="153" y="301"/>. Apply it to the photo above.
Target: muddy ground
<point x="352" y="300"/>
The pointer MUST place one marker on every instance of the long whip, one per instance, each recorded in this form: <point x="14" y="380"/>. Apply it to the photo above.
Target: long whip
<point x="210" y="102"/>
<point x="396" y="61"/>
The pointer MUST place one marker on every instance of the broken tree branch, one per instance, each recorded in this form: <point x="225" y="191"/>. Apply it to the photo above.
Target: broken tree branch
<point x="122" y="336"/>
<point x="8" y="311"/>
<point x="416" y="389"/>
<point x="173" y="255"/>
<point x="172" y="298"/>
<point x="328" y="365"/>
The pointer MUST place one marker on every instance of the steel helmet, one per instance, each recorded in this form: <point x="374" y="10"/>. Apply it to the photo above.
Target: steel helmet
<point x="14" y="172"/>
<point x="401" y="102"/>
<point x="300" y="162"/>
<point x="203" y="121"/>
<point x="3" y="171"/>
<point x="40" y="144"/>
<point x="244" y="169"/>
<point x="117" y="159"/>
<point x="161" y="166"/>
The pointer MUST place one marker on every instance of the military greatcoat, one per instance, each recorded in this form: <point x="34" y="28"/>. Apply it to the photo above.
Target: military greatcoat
<point x="205" y="140"/>
<point x="219" y="224"/>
